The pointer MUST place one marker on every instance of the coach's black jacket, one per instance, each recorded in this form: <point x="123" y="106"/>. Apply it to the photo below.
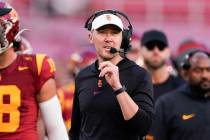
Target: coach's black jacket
<point x="96" y="111"/>
<point x="182" y="115"/>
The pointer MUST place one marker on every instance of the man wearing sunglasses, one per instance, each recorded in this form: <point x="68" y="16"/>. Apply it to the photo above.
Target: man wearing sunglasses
<point x="156" y="53"/>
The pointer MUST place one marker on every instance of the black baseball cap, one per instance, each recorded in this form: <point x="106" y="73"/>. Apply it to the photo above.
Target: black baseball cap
<point x="154" y="36"/>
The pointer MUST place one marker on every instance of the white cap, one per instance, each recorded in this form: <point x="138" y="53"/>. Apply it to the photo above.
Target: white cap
<point x="106" y="19"/>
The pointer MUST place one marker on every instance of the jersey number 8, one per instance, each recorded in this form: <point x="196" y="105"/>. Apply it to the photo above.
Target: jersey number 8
<point x="9" y="103"/>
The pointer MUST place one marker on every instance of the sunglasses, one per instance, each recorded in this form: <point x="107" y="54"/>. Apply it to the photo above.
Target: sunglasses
<point x="152" y="45"/>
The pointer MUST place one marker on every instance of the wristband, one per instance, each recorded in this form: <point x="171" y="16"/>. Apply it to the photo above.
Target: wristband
<point x="121" y="90"/>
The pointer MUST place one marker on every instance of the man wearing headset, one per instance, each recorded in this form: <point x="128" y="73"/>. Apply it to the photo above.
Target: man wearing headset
<point x="113" y="96"/>
<point x="185" y="113"/>
<point x="26" y="84"/>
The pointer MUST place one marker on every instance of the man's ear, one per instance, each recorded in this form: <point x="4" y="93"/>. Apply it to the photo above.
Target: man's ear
<point x="144" y="51"/>
<point x="185" y="74"/>
<point x="168" y="53"/>
<point x="90" y="36"/>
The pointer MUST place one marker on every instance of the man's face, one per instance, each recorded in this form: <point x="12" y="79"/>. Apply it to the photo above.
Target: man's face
<point x="104" y="38"/>
<point x="199" y="73"/>
<point x="155" y="55"/>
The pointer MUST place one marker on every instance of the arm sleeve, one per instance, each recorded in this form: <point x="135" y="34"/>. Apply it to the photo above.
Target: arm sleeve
<point x="143" y="97"/>
<point x="76" y="118"/>
<point x="51" y="113"/>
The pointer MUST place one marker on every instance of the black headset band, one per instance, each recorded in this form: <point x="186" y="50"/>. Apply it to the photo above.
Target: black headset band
<point x="101" y="12"/>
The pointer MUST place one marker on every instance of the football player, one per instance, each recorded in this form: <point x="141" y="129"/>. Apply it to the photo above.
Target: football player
<point x="26" y="84"/>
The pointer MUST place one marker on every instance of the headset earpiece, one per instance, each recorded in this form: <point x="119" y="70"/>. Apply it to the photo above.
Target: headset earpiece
<point x="186" y="65"/>
<point x="126" y="38"/>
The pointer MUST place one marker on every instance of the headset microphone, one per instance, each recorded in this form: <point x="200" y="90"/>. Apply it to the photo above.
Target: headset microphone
<point x="113" y="51"/>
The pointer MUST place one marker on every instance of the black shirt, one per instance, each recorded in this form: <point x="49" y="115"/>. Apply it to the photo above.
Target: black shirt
<point x="96" y="112"/>
<point x="182" y="115"/>
<point x="169" y="85"/>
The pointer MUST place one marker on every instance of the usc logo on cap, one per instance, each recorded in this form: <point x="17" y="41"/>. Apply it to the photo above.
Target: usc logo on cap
<point x="108" y="17"/>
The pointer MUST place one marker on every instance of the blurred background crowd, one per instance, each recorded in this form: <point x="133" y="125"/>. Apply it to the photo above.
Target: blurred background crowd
<point x="57" y="26"/>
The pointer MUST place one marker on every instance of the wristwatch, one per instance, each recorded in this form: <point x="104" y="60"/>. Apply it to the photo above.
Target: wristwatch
<point x="121" y="90"/>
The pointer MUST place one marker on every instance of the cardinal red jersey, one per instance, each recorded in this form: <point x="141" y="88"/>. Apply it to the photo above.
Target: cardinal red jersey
<point x="20" y="82"/>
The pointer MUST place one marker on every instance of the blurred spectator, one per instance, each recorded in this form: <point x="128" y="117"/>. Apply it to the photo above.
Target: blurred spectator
<point x="87" y="58"/>
<point x="73" y="64"/>
<point x="134" y="53"/>
<point x="79" y="61"/>
<point x="184" y="113"/>
<point x="156" y="53"/>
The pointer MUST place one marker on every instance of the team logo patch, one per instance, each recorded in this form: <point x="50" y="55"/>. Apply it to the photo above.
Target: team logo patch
<point x="187" y="116"/>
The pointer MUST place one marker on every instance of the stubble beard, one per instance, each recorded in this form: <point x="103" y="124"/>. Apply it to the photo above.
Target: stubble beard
<point x="153" y="66"/>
